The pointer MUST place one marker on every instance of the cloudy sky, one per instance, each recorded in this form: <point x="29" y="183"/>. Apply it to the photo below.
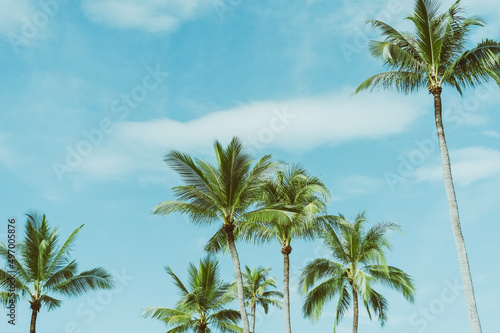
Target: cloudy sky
<point x="93" y="93"/>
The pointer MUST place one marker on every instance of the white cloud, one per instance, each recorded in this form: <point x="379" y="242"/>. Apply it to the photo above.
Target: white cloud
<point x="468" y="165"/>
<point x="12" y="13"/>
<point x="492" y="134"/>
<point x="294" y="125"/>
<point x="148" y="15"/>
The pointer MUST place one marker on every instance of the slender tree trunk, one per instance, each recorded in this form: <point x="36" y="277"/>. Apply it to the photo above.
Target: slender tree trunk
<point x="286" y="250"/>
<point x="252" y="319"/>
<point x="455" y="219"/>
<point x="356" y="311"/>
<point x="34" y="314"/>
<point x="237" y="274"/>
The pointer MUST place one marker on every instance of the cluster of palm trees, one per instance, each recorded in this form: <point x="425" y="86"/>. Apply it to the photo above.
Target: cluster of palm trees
<point x="263" y="201"/>
<point x="266" y="201"/>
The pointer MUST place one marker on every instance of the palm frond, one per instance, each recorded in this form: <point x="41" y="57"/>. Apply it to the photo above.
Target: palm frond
<point x="50" y="302"/>
<point x="197" y="214"/>
<point x="94" y="279"/>
<point x="317" y="297"/>
<point x="394" y="278"/>
<point x="62" y="258"/>
<point x="403" y="81"/>
<point x="342" y="306"/>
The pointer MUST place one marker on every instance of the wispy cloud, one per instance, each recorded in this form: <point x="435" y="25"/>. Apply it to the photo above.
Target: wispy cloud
<point x="492" y="134"/>
<point x="147" y="15"/>
<point x="293" y="125"/>
<point x="468" y="165"/>
<point x="13" y="14"/>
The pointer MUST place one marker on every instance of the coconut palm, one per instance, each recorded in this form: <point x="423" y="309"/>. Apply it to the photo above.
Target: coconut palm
<point x="255" y="286"/>
<point x="43" y="269"/>
<point x="294" y="190"/>
<point x="433" y="56"/>
<point x="203" y="303"/>
<point x="359" y="263"/>
<point x="225" y="192"/>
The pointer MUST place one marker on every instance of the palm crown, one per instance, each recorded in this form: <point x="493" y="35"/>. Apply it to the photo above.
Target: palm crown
<point x="435" y="54"/>
<point x="44" y="269"/>
<point x="203" y="302"/>
<point x="359" y="264"/>
<point x="256" y="287"/>
<point x="224" y="191"/>
<point x="294" y="191"/>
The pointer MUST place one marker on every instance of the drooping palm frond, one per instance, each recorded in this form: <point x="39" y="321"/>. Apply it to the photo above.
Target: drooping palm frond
<point x="318" y="296"/>
<point x="404" y="82"/>
<point x="342" y="305"/>
<point x="94" y="279"/>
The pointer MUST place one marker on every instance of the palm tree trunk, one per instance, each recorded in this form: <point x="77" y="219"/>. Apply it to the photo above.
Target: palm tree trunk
<point x="286" y="287"/>
<point x="455" y="219"/>
<point x="252" y="319"/>
<point x="34" y="313"/>
<point x="237" y="274"/>
<point x="356" y="311"/>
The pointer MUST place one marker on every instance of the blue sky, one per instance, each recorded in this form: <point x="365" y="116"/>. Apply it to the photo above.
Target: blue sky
<point x="94" y="93"/>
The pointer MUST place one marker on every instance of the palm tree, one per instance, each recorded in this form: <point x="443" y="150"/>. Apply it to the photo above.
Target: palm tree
<point x="431" y="57"/>
<point x="42" y="269"/>
<point x="225" y="192"/>
<point x="359" y="264"/>
<point x="255" y="285"/>
<point x="293" y="190"/>
<point x="203" y="302"/>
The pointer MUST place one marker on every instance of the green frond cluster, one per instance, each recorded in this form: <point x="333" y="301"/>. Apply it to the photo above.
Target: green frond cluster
<point x="299" y="201"/>
<point x="434" y="54"/>
<point x="358" y="264"/>
<point x="203" y="302"/>
<point x="255" y="286"/>
<point x="225" y="191"/>
<point x="44" y="268"/>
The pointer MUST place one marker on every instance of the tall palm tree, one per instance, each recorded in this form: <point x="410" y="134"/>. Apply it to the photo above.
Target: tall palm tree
<point x="433" y="56"/>
<point x="255" y="286"/>
<point x="203" y="303"/>
<point x="293" y="190"/>
<point x="359" y="262"/>
<point x="225" y="192"/>
<point x="43" y="268"/>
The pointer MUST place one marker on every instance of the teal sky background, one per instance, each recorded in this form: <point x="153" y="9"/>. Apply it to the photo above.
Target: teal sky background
<point x="94" y="93"/>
